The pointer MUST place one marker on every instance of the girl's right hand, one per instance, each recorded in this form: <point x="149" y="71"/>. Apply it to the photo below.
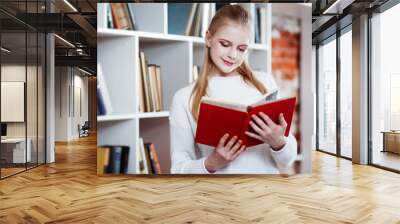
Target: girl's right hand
<point x="224" y="153"/>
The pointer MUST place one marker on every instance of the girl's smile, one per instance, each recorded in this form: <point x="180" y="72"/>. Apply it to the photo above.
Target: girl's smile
<point x="228" y="63"/>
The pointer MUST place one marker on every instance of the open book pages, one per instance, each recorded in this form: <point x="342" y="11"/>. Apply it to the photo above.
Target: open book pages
<point x="237" y="106"/>
<point x="223" y="103"/>
<point x="268" y="97"/>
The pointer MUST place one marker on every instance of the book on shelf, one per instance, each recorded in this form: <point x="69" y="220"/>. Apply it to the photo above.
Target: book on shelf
<point x="154" y="161"/>
<point x="191" y="19"/>
<point x="207" y="14"/>
<point x="218" y="117"/>
<point x="141" y="162"/>
<point x="147" y="160"/>
<point x="115" y="24"/>
<point x="101" y="110"/>
<point x="103" y="154"/>
<point x="124" y="160"/>
<point x="115" y="160"/>
<point x="202" y="19"/>
<point x="257" y="23"/>
<point x="196" y="24"/>
<point x="178" y="16"/>
<point x="104" y="106"/>
<point x="112" y="159"/>
<point x="121" y="16"/>
<point x="110" y="22"/>
<point x="145" y="84"/>
<point x="150" y="86"/>
<point x="159" y="88"/>
<point x="141" y="93"/>
<point x="262" y="17"/>
<point x="189" y="24"/>
<point x="153" y="87"/>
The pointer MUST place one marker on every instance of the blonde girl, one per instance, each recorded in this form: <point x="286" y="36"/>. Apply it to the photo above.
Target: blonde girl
<point x="225" y="75"/>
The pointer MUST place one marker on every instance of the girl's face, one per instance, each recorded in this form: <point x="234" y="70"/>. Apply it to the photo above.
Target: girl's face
<point x="228" y="47"/>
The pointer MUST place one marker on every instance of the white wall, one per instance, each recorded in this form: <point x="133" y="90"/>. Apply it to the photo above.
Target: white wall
<point x="80" y="83"/>
<point x="62" y="81"/>
<point x="69" y="82"/>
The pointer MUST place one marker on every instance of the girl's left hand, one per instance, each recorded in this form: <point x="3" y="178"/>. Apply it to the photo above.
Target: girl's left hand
<point x="268" y="131"/>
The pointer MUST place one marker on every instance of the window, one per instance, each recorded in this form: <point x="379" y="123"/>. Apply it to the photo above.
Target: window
<point x="346" y="94"/>
<point x="327" y="97"/>
<point x="385" y="89"/>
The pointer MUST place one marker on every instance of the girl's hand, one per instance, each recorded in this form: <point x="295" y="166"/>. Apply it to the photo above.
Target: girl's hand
<point x="224" y="153"/>
<point x="268" y="131"/>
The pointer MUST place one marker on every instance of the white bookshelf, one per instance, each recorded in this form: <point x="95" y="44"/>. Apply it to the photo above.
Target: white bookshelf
<point x="118" y="117"/>
<point x="118" y="52"/>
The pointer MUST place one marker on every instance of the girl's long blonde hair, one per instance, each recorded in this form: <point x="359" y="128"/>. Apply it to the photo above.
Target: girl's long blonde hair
<point x="228" y="13"/>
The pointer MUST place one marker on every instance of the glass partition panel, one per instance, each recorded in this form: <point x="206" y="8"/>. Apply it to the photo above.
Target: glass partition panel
<point x="31" y="100"/>
<point x="385" y="89"/>
<point x="346" y="94"/>
<point x="14" y="153"/>
<point x="327" y="97"/>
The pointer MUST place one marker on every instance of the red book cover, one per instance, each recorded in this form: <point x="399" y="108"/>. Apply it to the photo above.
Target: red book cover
<point x="217" y="118"/>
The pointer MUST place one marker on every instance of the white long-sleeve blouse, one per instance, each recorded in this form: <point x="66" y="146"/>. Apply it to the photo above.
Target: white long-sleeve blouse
<point x="187" y="157"/>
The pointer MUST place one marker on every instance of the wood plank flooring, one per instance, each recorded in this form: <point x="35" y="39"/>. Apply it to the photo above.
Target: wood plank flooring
<point x="10" y="171"/>
<point x="388" y="159"/>
<point x="69" y="191"/>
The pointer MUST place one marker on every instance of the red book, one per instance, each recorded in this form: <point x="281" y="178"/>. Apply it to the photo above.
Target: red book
<point x="115" y="16"/>
<point x="218" y="117"/>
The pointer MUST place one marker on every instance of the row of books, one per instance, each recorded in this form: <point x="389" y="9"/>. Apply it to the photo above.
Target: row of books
<point x="189" y="19"/>
<point x="150" y="86"/>
<point x="112" y="159"/>
<point x="183" y="19"/>
<point x="120" y="16"/>
<point x="147" y="161"/>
